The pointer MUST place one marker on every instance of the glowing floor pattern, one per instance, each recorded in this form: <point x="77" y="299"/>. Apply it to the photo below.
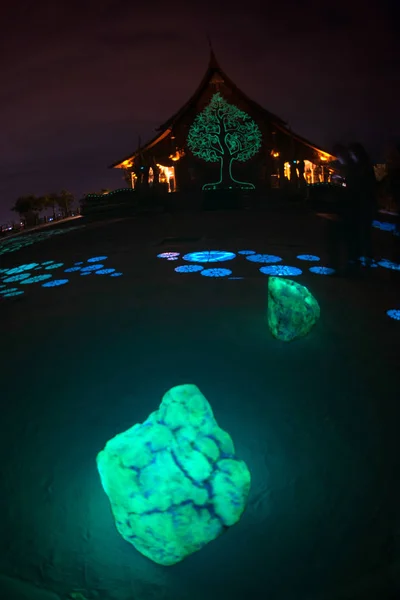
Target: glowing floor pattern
<point x="26" y="274"/>
<point x="18" y="242"/>
<point x="270" y="261"/>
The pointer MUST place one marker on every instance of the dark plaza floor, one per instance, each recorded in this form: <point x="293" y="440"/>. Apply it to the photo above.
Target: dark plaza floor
<point x="316" y="420"/>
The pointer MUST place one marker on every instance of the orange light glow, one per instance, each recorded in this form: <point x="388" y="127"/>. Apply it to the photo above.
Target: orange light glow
<point x="167" y="175"/>
<point x="127" y="164"/>
<point x="178" y="154"/>
<point x="274" y="154"/>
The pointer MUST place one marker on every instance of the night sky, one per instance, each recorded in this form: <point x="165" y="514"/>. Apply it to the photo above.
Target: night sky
<point x="81" y="80"/>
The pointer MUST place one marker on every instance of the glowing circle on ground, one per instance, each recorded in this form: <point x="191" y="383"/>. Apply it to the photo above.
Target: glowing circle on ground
<point x="368" y="262"/>
<point x="96" y="259"/>
<point x="173" y="258"/>
<point x="264" y="258"/>
<point x="72" y="270"/>
<point x="208" y="256"/>
<point x="394" y="313"/>
<point x="216" y="272"/>
<point x="189" y="269"/>
<point x="116" y="274"/>
<point x="36" y="279"/>
<point x="18" y="277"/>
<point x="8" y="290"/>
<point x="55" y="283"/>
<point x="21" y="269"/>
<point x="87" y="272"/>
<point x="168" y="255"/>
<point x="389" y="264"/>
<point x="91" y="268"/>
<point x="48" y="262"/>
<point x="78" y="263"/>
<point x="246" y="252"/>
<point x="14" y="293"/>
<point x="54" y="266"/>
<point x="281" y="271"/>
<point x="104" y="271"/>
<point x="309" y="257"/>
<point x="384" y="226"/>
<point x="322" y="270"/>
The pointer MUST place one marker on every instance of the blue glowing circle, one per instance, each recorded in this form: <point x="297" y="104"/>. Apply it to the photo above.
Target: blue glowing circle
<point x="21" y="268"/>
<point x="264" y="258"/>
<point x="245" y="253"/>
<point x="368" y="262"/>
<point x="384" y="226"/>
<point x="91" y="268"/>
<point x="18" y="277"/>
<point x="86" y="272"/>
<point x="96" y="259"/>
<point x="14" y="293"/>
<point x="78" y="263"/>
<point x="310" y="257"/>
<point x="55" y="283"/>
<point x="104" y="271"/>
<point x="72" y="270"/>
<point x="2" y="285"/>
<point x="173" y="258"/>
<point x="37" y="268"/>
<point x="208" y="256"/>
<point x="48" y="262"/>
<point x="115" y="274"/>
<point x="389" y="264"/>
<point x="281" y="271"/>
<point x="7" y="290"/>
<point x="322" y="270"/>
<point x="36" y="279"/>
<point x="168" y="255"/>
<point x="216" y="272"/>
<point x="54" y="266"/>
<point x="394" y="313"/>
<point x="189" y="269"/>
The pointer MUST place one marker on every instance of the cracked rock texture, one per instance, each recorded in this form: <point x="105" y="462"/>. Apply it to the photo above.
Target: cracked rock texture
<point x="292" y="309"/>
<point x="174" y="482"/>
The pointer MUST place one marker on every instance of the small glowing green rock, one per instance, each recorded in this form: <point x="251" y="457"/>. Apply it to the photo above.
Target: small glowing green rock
<point x="292" y="309"/>
<point x="174" y="482"/>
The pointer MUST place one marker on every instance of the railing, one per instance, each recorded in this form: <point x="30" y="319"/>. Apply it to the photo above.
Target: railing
<point x="12" y="228"/>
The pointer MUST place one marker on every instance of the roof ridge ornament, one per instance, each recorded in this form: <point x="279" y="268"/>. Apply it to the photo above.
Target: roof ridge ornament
<point x="212" y="63"/>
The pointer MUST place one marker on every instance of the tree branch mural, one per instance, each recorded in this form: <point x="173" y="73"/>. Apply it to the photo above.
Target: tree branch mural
<point x="223" y="133"/>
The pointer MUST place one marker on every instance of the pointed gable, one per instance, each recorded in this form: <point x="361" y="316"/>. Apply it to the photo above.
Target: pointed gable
<point x="214" y="77"/>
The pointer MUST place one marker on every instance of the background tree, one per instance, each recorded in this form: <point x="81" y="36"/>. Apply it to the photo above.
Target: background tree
<point x="28" y="208"/>
<point x="223" y="133"/>
<point x="50" y="202"/>
<point x="65" y="200"/>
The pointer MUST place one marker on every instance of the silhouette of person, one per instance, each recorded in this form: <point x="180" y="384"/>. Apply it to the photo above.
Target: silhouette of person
<point x="362" y="186"/>
<point x="342" y="238"/>
<point x="293" y="174"/>
<point x="301" y="168"/>
<point x="393" y="177"/>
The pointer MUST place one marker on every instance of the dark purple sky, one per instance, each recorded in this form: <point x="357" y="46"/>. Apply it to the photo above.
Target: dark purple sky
<point x="81" y="80"/>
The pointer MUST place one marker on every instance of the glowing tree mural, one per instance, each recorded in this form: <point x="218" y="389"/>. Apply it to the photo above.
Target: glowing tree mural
<point x="223" y="133"/>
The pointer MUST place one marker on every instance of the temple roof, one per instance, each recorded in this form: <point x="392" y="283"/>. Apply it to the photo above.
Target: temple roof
<point x="214" y="74"/>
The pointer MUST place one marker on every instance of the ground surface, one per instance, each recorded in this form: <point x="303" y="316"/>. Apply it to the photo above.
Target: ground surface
<point x="315" y="420"/>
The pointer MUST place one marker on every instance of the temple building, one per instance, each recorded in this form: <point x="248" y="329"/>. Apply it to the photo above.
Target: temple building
<point x="221" y="139"/>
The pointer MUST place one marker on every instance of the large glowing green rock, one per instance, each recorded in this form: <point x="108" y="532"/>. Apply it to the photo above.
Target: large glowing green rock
<point x="292" y="309"/>
<point x="174" y="482"/>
